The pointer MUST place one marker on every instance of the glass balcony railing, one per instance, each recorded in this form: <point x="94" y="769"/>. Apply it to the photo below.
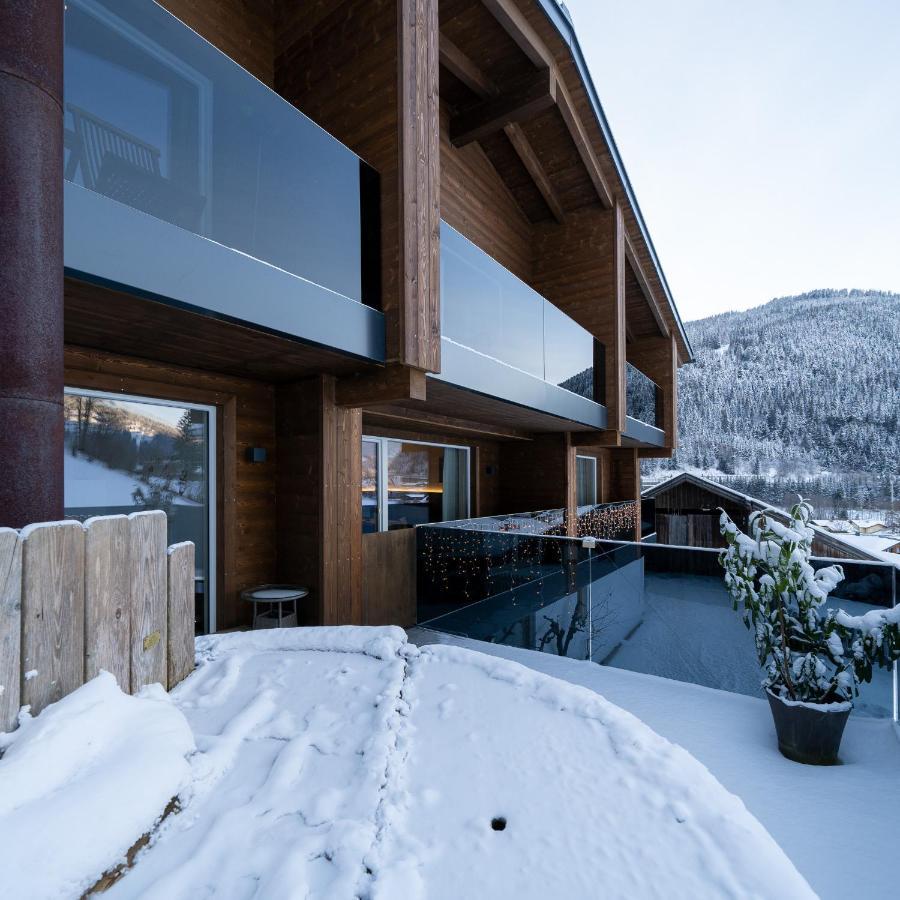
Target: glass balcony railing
<point x="642" y="400"/>
<point x="156" y="118"/>
<point x="486" y="308"/>
<point x="649" y="608"/>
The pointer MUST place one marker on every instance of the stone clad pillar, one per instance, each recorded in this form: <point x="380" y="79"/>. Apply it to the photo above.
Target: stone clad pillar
<point x="31" y="261"/>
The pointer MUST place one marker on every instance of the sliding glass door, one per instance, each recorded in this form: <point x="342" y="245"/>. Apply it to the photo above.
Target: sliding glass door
<point x="409" y="483"/>
<point x="125" y="454"/>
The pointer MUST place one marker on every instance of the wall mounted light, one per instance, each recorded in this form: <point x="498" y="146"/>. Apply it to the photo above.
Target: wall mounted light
<point x="256" y="454"/>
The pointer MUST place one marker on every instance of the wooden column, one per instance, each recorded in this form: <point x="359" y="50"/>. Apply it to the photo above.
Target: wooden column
<point x="580" y="267"/>
<point x="624" y="481"/>
<point x="318" y="507"/>
<point x="657" y="358"/>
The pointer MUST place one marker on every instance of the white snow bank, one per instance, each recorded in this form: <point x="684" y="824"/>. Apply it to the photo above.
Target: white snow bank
<point x="595" y="803"/>
<point x="296" y="728"/>
<point x="381" y="643"/>
<point x="82" y="782"/>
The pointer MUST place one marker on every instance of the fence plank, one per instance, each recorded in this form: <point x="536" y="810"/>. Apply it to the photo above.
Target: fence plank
<point x="52" y="612"/>
<point x="10" y="626"/>
<point x="107" y="618"/>
<point x="147" y="580"/>
<point x="181" y="612"/>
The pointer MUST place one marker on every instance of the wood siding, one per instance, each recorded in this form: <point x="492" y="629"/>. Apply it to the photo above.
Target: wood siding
<point x="366" y="71"/>
<point x="389" y="577"/>
<point x="580" y="267"/>
<point x="245" y="492"/>
<point x="240" y="29"/>
<point x="478" y="204"/>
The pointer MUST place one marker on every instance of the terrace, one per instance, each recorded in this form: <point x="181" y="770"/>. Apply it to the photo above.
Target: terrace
<point x="584" y="591"/>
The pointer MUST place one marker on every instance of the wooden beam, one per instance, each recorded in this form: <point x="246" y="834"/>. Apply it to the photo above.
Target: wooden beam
<point x="583" y="145"/>
<point x="607" y="438"/>
<point x="404" y="416"/>
<point x="514" y="23"/>
<point x="655" y="452"/>
<point x="532" y="164"/>
<point x="395" y="382"/>
<point x="646" y="290"/>
<point x="535" y="93"/>
<point x="461" y="67"/>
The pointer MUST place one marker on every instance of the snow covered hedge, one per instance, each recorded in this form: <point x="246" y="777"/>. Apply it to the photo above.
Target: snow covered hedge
<point x="809" y="653"/>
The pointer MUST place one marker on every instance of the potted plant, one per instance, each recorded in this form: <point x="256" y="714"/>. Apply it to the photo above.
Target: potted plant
<point x="814" y="657"/>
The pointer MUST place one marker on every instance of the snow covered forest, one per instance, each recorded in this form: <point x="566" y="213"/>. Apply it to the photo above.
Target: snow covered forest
<point x="801" y="394"/>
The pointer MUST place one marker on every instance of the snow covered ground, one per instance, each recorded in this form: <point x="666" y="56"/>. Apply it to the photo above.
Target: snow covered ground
<point x="839" y="825"/>
<point x="346" y="763"/>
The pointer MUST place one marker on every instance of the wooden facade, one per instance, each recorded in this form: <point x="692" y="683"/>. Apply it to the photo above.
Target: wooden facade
<point x="473" y="112"/>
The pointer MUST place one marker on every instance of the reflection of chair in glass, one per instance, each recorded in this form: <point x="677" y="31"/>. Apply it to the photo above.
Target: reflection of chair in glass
<point x="119" y="165"/>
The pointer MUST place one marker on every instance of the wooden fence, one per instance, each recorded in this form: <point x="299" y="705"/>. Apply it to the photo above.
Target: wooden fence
<point x="75" y="599"/>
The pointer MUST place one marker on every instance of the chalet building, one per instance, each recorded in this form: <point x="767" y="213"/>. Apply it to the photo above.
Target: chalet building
<point x="306" y="274"/>
<point x="687" y="508"/>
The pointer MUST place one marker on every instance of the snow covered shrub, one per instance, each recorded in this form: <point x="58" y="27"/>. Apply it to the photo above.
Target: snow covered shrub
<point x="809" y="653"/>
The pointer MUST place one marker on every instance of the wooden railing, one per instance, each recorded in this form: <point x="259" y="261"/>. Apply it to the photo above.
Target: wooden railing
<point x="75" y="599"/>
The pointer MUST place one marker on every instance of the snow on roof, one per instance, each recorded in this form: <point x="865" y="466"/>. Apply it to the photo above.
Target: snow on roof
<point x="835" y="540"/>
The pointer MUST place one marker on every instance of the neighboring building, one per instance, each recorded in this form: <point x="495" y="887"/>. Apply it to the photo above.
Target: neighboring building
<point x="300" y="342"/>
<point x="862" y="526"/>
<point x="688" y="507"/>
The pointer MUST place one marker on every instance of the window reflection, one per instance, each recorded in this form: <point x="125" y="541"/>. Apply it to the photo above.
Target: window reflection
<point x="369" y="487"/>
<point x="586" y="480"/>
<point x="124" y="456"/>
<point x="413" y="484"/>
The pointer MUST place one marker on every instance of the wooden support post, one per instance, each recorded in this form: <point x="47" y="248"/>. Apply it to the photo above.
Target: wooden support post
<point x="52" y="612"/>
<point x="147" y="587"/>
<point x="107" y="582"/>
<point x="625" y="480"/>
<point x="180" y="612"/>
<point x="420" y="205"/>
<point x="538" y="475"/>
<point x="10" y="626"/>
<point x="319" y="513"/>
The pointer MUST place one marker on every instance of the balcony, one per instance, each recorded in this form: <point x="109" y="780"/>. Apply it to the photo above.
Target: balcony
<point x="644" y="607"/>
<point x="500" y="337"/>
<point x="643" y="407"/>
<point x="189" y="181"/>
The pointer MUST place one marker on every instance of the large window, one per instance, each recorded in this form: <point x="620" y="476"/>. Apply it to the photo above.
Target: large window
<point x="125" y="454"/>
<point x="408" y="483"/>
<point x="586" y="480"/>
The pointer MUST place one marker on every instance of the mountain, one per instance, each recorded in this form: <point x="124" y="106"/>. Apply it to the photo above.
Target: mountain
<point x="804" y="388"/>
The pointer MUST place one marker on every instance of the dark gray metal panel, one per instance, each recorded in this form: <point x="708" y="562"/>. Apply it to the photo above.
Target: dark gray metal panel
<point x="476" y="372"/>
<point x="109" y="242"/>
<point x="643" y="433"/>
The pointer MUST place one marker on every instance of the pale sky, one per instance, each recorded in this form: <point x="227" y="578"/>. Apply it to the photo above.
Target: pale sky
<point x="762" y="139"/>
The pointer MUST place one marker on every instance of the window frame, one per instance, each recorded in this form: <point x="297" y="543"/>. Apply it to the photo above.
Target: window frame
<point x="381" y="473"/>
<point x="212" y="476"/>
<point x="593" y="461"/>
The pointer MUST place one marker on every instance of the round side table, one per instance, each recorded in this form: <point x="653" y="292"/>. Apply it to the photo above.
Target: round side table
<point x="274" y="597"/>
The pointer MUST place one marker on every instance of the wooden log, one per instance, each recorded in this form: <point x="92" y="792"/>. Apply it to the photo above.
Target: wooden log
<point x="10" y="626"/>
<point x="147" y="590"/>
<point x="52" y="612"/>
<point x="180" y="606"/>
<point x="107" y="618"/>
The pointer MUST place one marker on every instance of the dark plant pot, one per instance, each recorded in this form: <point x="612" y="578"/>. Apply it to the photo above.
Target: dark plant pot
<point x="806" y="734"/>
